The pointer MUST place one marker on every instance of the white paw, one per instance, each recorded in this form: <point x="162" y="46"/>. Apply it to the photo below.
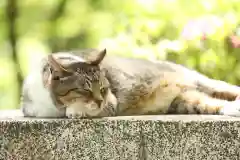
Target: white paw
<point x="231" y="109"/>
<point x="71" y="112"/>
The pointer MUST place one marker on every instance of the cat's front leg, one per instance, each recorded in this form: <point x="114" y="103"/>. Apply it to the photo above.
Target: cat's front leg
<point x="108" y="110"/>
<point x="83" y="110"/>
<point x="75" y="111"/>
<point x="86" y="110"/>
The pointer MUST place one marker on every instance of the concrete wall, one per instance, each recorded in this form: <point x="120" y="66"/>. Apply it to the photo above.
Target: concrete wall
<point x="121" y="138"/>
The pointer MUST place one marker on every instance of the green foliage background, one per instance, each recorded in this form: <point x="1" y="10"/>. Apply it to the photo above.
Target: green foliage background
<point x="151" y="29"/>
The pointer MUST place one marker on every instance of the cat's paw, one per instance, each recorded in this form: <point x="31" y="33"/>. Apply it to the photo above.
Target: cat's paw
<point x="231" y="109"/>
<point x="72" y="113"/>
<point x="109" y="110"/>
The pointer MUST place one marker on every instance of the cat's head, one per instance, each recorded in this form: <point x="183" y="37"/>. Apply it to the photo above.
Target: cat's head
<point x="79" y="82"/>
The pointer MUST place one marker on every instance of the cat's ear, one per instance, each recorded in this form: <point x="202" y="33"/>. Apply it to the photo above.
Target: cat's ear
<point x="55" y="64"/>
<point x="97" y="59"/>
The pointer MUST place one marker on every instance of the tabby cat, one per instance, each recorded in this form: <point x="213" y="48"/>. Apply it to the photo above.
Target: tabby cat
<point x="89" y="83"/>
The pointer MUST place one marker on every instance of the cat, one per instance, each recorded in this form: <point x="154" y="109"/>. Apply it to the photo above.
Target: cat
<point x="63" y="83"/>
<point x="94" y="84"/>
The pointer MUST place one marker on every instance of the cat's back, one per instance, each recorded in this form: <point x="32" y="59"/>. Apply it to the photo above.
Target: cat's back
<point x="141" y="68"/>
<point x="130" y="65"/>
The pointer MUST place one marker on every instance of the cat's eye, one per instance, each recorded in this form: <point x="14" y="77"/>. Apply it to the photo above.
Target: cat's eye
<point x="56" y="78"/>
<point x="55" y="75"/>
<point x="51" y="70"/>
<point x="59" y="79"/>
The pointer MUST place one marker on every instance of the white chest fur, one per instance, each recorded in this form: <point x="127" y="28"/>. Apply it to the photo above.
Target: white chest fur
<point x="41" y="104"/>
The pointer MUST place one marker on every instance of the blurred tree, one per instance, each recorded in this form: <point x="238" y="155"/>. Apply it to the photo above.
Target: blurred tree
<point x="12" y="13"/>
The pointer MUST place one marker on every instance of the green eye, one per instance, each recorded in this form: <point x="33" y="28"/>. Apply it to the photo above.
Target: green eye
<point x="56" y="78"/>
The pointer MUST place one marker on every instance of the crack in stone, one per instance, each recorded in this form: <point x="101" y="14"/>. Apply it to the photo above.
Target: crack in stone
<point x="143" y="152"/>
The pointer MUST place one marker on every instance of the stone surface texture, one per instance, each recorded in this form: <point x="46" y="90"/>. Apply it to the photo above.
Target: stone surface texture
<point x="169" y="137"/>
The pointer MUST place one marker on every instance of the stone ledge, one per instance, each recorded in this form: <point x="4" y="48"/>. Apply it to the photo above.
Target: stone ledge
<point x="163" y="137"/>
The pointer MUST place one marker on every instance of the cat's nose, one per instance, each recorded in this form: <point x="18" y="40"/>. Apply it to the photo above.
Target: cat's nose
<point x="99" y="102"/>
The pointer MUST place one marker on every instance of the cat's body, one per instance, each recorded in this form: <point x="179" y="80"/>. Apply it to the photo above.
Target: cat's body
<point x="141" y="87"/>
